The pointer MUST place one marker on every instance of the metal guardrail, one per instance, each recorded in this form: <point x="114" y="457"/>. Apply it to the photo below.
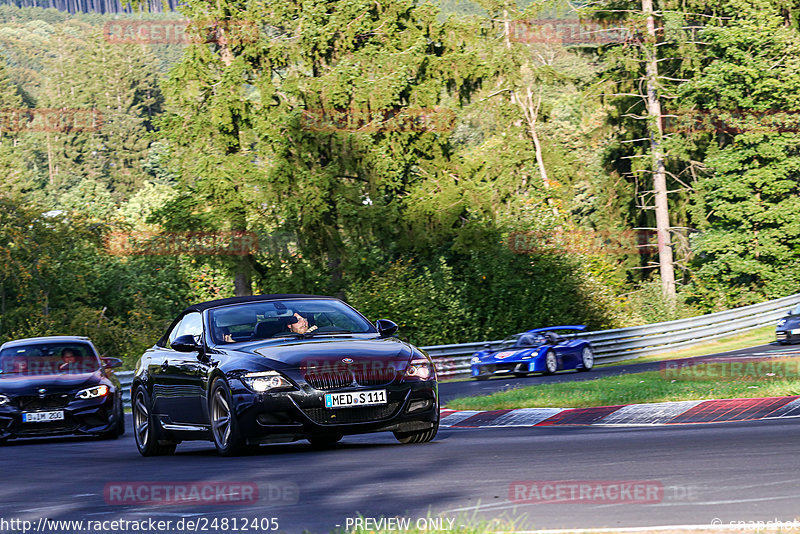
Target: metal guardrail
<point x="619" y="344"/>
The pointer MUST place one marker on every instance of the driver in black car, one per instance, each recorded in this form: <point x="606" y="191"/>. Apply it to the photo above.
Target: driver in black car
<point x="299" y="324"/>
<point x="72" y="361"/>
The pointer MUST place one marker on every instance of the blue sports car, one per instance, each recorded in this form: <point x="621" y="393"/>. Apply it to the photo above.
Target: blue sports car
<point x="540" y="350"/>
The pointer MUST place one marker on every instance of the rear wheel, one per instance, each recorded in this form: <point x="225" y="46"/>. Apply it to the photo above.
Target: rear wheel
<point x="418" y="436"/>
<point x="482" y="377"/>
<point x="144" y="427"/>
<point x="587" y="358"/>
<point x="550" y="362"/>
<point x="224" y="425"/>
<point x="520" y="374"/>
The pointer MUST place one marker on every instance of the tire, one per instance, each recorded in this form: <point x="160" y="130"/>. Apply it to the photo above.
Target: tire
<point x="482" y="377"/>
<point x="144" y="425"/>
<point x="119" y="427"/>
<point x="224" y="425"/>
<point x="587" y="359"/>
<point x="520" y="374"/>
<point x="419" y="436"/>
<point x="550" y="362"/>
<point x="324" y="441"/>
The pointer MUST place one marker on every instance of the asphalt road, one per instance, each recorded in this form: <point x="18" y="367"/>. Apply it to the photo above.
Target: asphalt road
<point x="733" y="472"/>
<point x="728" y="472"/>
<point x="470" y="388"/>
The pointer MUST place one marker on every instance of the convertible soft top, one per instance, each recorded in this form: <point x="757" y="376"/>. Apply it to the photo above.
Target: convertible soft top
<point x="248" y="298"/>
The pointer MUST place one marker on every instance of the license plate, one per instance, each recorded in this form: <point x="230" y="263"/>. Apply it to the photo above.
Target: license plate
<point x="355" y="398"/>
<point x="42" y="417"/>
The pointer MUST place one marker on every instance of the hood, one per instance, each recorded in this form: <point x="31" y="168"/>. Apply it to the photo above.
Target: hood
<point x="16" y="384"/>
<point x="364" y="351"/>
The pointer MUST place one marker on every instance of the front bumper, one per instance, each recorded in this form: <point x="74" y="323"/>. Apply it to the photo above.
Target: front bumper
<point x="787" y="336"/>
<point x="301" y="414"/>
<point x="81" y="417"/>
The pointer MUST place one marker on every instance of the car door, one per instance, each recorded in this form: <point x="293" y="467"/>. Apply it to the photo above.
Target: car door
<point x="181" y="393"/>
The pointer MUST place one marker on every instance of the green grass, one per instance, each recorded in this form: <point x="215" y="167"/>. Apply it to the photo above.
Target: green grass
<point x="655" y="386"/>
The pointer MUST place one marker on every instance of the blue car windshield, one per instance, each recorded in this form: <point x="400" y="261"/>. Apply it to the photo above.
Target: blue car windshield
<point x="284" y="318"/>
<point x="530" y="340"/>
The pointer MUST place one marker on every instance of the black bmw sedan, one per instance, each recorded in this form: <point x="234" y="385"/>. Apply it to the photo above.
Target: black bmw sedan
<point x="244" y="371"/>
<point x="58" y="385"/>
<point x="788" y="329"/>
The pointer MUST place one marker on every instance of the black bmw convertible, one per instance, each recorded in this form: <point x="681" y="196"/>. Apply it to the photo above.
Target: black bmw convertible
<point x="245" y="371"/>
<point x="58" y="385"/>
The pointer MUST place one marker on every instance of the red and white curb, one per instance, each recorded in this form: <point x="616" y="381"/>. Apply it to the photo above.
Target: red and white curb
<point x="661" y="413"/>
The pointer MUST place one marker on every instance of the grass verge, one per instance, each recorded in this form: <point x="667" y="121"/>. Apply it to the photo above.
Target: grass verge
<point x="716" y="380"/>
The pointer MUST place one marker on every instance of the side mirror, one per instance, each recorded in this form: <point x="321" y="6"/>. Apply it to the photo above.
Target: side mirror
<point x="111" y="363"/>
<point x="386" y="327"/>
<point x="185" y="343"/>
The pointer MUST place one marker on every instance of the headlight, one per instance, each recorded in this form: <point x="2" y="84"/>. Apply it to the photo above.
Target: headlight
<point x="4" y="399"/>
<point x="781" y="322"/>
<point x="91" y="393"/>
<point x="421" y="369"/>
<point x="266" y="381"/>
<point x="475" y="359"/>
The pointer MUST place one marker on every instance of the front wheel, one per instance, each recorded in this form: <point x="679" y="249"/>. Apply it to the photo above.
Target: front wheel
<point x="550" y="363"/>
<point x="324" y="441"/>
<point x="119" y="421"/>
<point x="144" y="427"/>
<point x="418" y="436"/>
<point x="224" y="425"/>
<point x="587" y="359"/>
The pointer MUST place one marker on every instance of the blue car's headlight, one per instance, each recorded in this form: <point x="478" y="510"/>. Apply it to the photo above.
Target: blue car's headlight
<point x="4" y="399"/>
<point x="781" y="322"/>
<point x="475" y="359"/>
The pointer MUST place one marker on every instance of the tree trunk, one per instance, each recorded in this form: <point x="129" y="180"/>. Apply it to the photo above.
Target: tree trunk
<point x="655" y="127"/>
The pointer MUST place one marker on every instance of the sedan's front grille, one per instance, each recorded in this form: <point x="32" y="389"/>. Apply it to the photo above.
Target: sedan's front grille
<point x="54" y="401"/>
<point x="336" y="379"/>
<point x="365" y="414"/>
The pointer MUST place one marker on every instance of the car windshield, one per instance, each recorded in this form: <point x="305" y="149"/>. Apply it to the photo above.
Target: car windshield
<point x="284" y="318"/>
<point x="530" y="340"/>
<point x="48" y="359"/>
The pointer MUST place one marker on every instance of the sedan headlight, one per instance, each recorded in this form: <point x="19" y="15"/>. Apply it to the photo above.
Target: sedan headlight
<point x="91" y="393"/>
<point x="4" y="399"/>
<point x="420" y="369"/>
<point x="475" y="359"/>
<point x="781" y="322"/>
<point x="266" y="381"/>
